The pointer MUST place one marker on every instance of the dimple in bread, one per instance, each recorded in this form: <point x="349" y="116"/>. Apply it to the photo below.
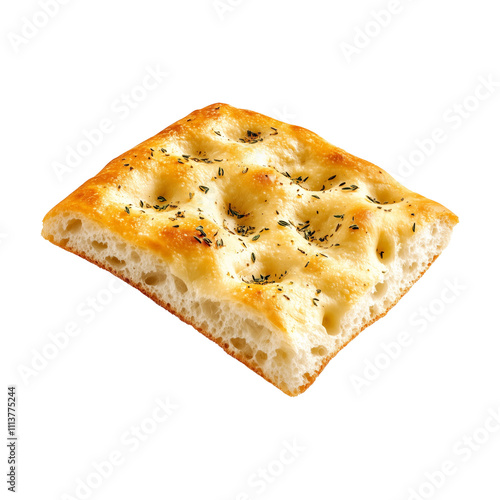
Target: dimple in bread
<point x="267" y="239"/>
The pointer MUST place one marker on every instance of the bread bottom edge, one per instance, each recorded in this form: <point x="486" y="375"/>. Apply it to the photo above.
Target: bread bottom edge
<point x="253" y="366"/>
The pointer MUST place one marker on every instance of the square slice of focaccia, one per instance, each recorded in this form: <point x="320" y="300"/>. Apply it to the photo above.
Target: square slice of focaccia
<point x="267" y="239"/>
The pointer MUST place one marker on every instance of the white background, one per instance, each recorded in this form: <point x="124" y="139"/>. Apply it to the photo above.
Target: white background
<point x="287" y="59"/>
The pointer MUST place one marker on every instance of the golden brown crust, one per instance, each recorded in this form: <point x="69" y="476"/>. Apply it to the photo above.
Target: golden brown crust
<point x="305" y="228"/>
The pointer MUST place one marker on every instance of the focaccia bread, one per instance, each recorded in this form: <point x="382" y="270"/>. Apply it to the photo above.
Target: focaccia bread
<point x="263" y="236"/>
